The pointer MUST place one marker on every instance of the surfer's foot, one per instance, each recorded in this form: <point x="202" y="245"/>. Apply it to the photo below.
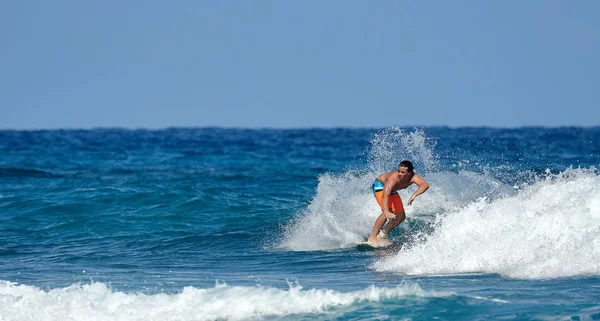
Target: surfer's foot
<point x="384" y="243"/>
<point x="374" y="244"/>
<point x="382" y="239"/>
<point x="372" y="241"/>
<point x="378" y="244"/>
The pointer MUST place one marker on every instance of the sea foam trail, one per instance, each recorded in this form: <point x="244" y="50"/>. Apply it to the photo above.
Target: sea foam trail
<point x="549" y="229"/>
<point x="97" y="302"/>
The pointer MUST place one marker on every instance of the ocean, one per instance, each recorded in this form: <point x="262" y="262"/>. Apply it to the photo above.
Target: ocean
<point x="262" y="224"/>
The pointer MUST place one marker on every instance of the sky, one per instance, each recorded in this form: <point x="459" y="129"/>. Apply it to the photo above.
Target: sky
<point x="299" y="64"/>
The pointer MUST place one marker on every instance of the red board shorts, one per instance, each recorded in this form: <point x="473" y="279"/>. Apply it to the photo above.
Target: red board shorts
<point x="394" y="200"/>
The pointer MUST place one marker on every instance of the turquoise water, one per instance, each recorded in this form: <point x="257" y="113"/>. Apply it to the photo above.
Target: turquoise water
<point x="235" y="224"/>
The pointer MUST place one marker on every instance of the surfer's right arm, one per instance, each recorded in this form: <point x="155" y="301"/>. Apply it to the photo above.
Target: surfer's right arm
<point x="387" y="190"/>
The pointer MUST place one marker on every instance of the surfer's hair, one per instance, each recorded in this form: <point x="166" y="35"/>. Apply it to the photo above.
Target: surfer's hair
<point x="406" y="164"/>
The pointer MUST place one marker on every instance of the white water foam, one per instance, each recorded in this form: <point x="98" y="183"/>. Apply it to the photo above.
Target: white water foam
<point x="343" y="211"/>
<point x="97" y="302"/>
<point x="549" y="229"/>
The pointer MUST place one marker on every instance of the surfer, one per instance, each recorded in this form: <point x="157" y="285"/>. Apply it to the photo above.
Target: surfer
<point x="385" y="188"/>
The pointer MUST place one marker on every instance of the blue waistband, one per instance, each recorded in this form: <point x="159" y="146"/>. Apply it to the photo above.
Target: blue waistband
<point x="378" y="186"/>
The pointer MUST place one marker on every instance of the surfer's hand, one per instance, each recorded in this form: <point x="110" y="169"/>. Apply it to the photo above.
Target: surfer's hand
<point x="390" y="216"/>
<point x="412" y="198"/>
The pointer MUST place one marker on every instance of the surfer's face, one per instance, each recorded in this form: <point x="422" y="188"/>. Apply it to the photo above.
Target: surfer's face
<point x="403" y="173"/>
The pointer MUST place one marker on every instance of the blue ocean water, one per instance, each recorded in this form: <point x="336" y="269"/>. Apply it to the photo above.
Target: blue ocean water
<point x="236" y="224"/>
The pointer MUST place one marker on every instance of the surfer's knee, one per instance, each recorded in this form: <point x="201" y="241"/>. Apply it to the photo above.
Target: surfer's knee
<point x="400" y="215"/>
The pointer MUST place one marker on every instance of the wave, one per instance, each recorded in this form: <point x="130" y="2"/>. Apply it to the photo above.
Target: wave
<point x="548" y="229"/>
<point x="97" y="301"/>
<point x="541" y="225"/>
<point x="343" y="210"/>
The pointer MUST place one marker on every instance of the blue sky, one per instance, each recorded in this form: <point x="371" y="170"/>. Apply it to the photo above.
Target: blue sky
<point x="290" y="64"/>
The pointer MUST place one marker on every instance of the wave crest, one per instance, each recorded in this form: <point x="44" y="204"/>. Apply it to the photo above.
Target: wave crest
<point x="96" y="301"/>
<point x="548" y="229"/>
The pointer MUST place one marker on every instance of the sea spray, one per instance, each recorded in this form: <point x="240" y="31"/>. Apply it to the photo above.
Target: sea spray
<point x="392" y="145"/>
<point x="342" y="211"/>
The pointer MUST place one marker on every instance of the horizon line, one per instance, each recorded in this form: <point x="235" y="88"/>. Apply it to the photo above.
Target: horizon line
<point x="295" y="128"/>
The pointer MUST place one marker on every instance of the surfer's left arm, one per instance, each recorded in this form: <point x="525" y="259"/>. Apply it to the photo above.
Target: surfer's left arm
<point x="423" y="186"/>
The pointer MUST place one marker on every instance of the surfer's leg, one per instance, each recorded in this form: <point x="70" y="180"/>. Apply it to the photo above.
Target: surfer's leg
<point x="378" y="224"/>
<point x="400" y="217"/>
<point x="397" y="208"/>
<point x="381" y="219"/>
